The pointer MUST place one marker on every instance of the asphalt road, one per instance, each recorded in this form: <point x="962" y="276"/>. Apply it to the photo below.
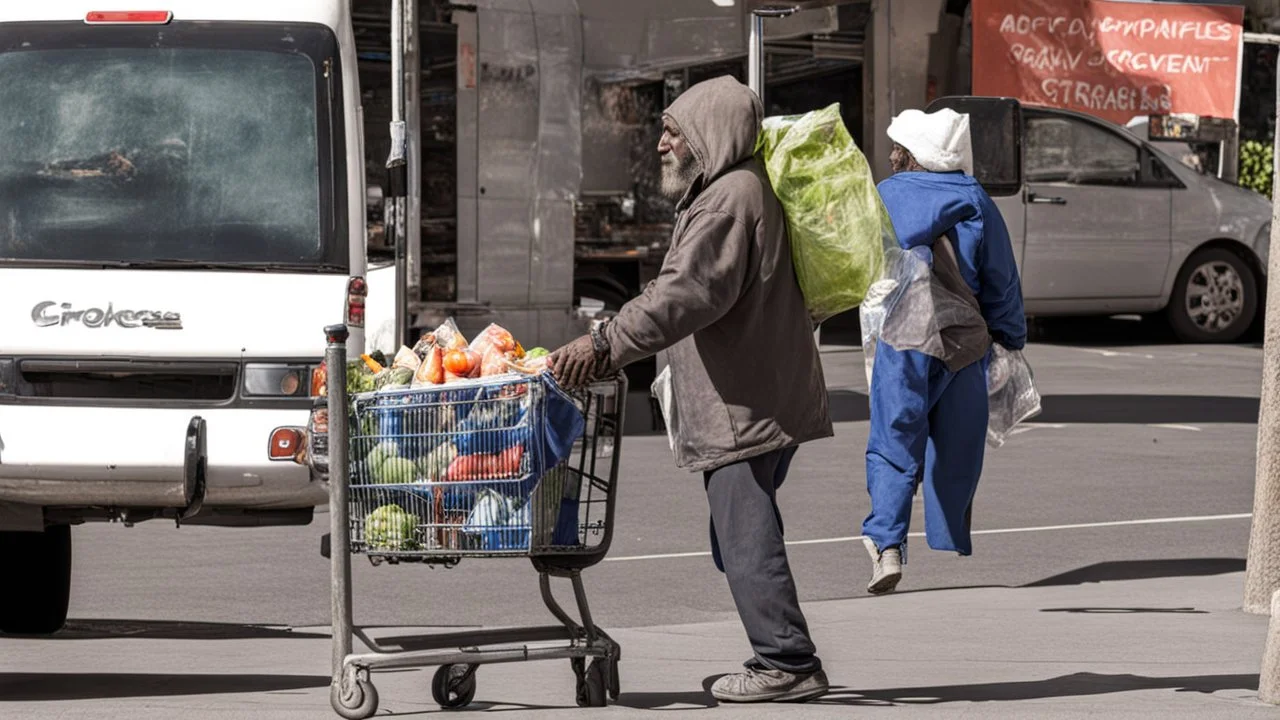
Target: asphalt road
<point x="1134" y="428"/>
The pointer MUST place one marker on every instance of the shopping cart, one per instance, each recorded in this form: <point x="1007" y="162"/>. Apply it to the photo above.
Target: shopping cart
<point x="508" y="466"/>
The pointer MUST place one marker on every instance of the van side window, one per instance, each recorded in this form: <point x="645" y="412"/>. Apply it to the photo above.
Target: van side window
<point x="1066" y="150"/>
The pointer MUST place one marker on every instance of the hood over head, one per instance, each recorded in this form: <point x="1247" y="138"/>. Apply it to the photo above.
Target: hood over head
<point x="720" y="121"/>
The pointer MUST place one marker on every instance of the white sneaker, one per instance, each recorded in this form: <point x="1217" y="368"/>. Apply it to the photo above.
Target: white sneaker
<point x="886" y="568"/>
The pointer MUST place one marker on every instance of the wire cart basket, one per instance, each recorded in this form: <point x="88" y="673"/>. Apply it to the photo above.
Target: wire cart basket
<point x="503" y="466"/>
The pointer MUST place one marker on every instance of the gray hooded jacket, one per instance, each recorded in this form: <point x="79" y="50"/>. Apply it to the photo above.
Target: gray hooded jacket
<point x="726" y="305"/>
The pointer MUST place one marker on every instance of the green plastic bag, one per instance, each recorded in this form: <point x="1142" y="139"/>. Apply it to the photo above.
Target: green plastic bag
<point x="838" y="225"/>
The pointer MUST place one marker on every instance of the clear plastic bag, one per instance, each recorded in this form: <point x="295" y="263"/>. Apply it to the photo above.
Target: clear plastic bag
<point x="665" y="394"/>
<point x="836" y="221"/>
<point x="906" y="307"/>
<point x="1011" y="393"/>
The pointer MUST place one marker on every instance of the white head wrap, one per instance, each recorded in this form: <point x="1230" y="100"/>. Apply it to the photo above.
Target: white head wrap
<point x="938" y="140"/>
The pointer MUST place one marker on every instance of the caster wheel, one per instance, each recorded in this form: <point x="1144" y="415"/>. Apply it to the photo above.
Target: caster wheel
<point x="357" y="701"/>
<point x="593" y="685"/>
<point x="454" y="686"/>
<point x="615" y="683"/>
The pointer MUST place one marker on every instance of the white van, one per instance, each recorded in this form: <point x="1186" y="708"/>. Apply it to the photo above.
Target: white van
<point x="181" y="215"/>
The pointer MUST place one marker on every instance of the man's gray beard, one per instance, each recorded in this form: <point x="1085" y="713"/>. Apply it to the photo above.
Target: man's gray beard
<point x="678" y="175"/>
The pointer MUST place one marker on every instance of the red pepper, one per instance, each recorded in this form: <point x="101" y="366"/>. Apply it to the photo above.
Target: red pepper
<point x="486" y="467"/>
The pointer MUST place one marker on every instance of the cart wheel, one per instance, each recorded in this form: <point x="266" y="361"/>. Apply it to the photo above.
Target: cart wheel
<point x="359" y="700"/>
<point x="454" y="686"/>
<point x="615" y="683"/>
<point x="592" y="687"/>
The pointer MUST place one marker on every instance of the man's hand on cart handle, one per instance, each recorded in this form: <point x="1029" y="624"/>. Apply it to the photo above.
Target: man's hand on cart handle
<point x="577" y="364"/>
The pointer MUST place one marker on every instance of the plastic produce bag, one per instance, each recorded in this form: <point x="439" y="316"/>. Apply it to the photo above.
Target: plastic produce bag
<point x="665" y="394"/>
<point x="839" y="227"/>
<point x="906" y="277"/>
<point x="1011" y="393"/>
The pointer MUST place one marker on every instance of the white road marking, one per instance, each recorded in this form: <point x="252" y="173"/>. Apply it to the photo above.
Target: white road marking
<point x="1175" y="426"/>
<point x="1029" y="426"/>
<point x="1113" y="353"/>
<point x="999" y="531"/>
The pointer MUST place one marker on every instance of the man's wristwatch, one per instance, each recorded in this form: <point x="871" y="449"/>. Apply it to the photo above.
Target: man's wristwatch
<point x="598" y="342"/>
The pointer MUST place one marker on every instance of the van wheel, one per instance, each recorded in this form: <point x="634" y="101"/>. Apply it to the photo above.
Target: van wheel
<point x="35" y="572"/>
<point x="1215" y="298"/>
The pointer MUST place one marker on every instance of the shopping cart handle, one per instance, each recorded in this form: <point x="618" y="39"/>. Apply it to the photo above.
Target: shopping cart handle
<point x="325" y="546"/>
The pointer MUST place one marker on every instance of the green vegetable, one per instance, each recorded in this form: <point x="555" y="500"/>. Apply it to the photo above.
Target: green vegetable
<point x="394" y="471"/>
<point x="379" y="357"/>
<point x="433" y="466"/>
<point x="1256" y="166"/>
<point x="359" y="378"/>
<point x="390" y="527"/>
<point x="838" y="226"/>
<point x="380" y="454"/>
<point x="536" y="353"/>
<point x="393" y="378"/>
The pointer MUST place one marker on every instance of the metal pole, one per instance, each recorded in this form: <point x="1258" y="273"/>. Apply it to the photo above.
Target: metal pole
<point x="397" y="160"/>
<point x="335" y="357"/>
<point x="412" y="99"/>
<point x="1229" y="155"/>
<point x="755" y="56"/>
<point x="1262" y="570"/>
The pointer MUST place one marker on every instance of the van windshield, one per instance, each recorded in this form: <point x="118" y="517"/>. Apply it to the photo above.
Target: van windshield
<point x="149" y="146"/>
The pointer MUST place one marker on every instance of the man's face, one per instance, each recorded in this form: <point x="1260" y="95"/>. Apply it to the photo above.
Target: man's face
<point x="679" y="166"/>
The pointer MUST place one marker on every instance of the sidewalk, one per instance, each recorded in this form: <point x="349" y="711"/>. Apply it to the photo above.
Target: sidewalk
<point x="1167" y="647"/>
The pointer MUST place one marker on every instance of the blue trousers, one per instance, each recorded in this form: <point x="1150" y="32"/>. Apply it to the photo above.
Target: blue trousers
<point x="928" y="426"/>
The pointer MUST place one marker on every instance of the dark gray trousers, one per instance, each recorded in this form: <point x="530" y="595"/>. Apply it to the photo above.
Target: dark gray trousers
<point x="747" y="545"/>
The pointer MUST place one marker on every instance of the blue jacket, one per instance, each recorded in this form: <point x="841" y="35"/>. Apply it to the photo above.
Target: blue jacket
<point x="926" y="205"/>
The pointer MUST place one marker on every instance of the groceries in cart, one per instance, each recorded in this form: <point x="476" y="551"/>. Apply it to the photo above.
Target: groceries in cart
<point x="454" y="437"/>
<point x="444" y="356"/>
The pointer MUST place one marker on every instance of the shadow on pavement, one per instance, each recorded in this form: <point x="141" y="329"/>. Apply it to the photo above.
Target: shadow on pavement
<point x="1126" y="611"/>
<point x="31" y="687"/>
<point x="667" y="701"/>
<point x="173" y="630"/>
<point x="1143" y="570"/>
<point x="1147" y="409"/>
<point x="852" y="406"/>
<point x="1100" y="572"/>
<point x="1074" y="685"/>
<point x="848" y="406"/>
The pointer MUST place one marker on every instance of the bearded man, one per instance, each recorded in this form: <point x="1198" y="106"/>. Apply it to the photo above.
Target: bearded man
<point x="728" y="312"/>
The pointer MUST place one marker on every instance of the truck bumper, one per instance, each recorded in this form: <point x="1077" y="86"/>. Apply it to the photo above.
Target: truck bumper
<point x="138" y="458"/>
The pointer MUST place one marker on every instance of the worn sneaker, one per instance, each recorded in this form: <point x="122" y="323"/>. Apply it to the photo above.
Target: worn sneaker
<point x="760" y="684"/>
<point x="887" y="568"/>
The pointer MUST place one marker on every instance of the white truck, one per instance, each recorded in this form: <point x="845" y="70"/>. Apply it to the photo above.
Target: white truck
<point x="182" y="198"/>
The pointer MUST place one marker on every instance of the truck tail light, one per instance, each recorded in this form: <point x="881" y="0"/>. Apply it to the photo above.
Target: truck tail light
<point x="279" y="381"/>
<point x="357" y="291"/>
<point x="130" y="17"/>
<point x="319" y="379"/>
<point x="317" y="439"/>
<point x="286" y="443"/>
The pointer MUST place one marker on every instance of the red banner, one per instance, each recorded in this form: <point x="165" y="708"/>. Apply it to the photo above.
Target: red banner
<point x="1113" y="60"/>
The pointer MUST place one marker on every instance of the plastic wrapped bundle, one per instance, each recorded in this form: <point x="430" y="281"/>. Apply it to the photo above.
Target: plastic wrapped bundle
<point x="838" y="225"/>
<point x="1011" y="393"/>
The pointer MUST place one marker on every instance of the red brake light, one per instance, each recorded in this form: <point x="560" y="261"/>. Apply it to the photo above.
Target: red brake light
<point x="319" y="379"/>
<point x="357" y="290"/>
<point x="285" y="443"/>
<point x="146" y="17"/>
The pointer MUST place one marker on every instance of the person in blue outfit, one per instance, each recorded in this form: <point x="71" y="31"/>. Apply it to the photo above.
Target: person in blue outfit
<point x="929" y="411"/>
